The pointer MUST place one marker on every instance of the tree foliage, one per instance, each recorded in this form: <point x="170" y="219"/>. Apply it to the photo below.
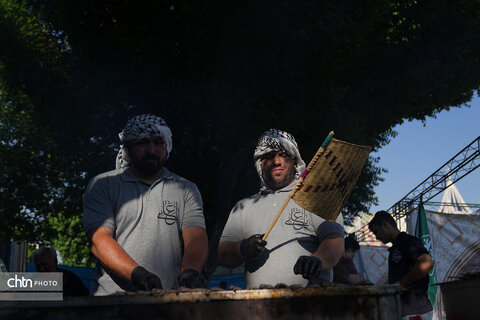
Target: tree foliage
<point x="220" y="73"/>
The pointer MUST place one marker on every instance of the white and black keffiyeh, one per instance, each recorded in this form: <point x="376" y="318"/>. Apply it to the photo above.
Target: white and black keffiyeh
<point x="138" y="128"/>
<point x="275" y="140"/>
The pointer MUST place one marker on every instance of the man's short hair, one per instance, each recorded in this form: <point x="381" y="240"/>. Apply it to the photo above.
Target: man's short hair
<point x="351" y="244"/>
<point x="380" y="217"/>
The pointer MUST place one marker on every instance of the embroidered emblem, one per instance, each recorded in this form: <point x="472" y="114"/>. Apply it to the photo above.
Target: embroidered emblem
<point x="396" y="255"/>
<point x="169" y="212"/>
<point x="297" y="219"/>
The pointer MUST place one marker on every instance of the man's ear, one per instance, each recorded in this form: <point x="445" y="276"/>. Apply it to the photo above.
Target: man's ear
<point x="388" y="226"/>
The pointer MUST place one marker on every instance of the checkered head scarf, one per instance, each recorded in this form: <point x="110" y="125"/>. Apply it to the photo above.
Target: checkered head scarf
<point x="276" y="140"/>
<point x="138" y="128"/>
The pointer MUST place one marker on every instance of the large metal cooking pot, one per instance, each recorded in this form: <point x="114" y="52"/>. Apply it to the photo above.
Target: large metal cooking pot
<point x="330" y="302"/>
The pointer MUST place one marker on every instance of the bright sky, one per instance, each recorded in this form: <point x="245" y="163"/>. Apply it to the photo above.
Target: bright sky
<point x="418" y="151"/>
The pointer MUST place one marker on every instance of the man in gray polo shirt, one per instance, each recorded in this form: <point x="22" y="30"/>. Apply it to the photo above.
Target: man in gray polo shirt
<point x="302" y="248"/>
<point x="145" y="223"/>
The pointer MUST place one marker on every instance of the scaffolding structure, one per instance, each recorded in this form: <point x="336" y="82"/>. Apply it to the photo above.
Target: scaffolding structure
<point x="463" y="163"/>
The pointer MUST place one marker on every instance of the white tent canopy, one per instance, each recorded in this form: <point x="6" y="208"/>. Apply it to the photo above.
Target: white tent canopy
<point x="452" y="201"/>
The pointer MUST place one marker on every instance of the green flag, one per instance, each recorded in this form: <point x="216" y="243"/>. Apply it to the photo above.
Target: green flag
<point x="424" y="235"/>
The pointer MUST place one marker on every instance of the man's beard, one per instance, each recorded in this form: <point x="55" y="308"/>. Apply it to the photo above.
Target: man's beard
<point x="148" y="169"/>
<point x="274" y="184"/>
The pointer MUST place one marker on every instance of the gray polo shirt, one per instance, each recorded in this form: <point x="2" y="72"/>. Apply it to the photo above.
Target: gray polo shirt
<point x="147" y="221"/>
<point x="297" y="232"/>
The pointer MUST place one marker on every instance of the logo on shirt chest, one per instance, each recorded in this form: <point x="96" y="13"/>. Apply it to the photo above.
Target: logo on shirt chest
<point x="297" y="219"/>
<point x="396" y="255"/>
<point x="169" y="212"/>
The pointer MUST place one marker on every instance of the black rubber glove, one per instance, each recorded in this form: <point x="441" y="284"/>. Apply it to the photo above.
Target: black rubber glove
<point x="253" y="246"/>
<point x="309" y="267"/>
<point x="145" y="280"/>
<point x="191" y="278"/>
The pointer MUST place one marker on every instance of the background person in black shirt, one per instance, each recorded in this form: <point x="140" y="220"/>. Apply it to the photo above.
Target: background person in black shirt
<point x="45" y="260"/>
<point x="408" y="266"/>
